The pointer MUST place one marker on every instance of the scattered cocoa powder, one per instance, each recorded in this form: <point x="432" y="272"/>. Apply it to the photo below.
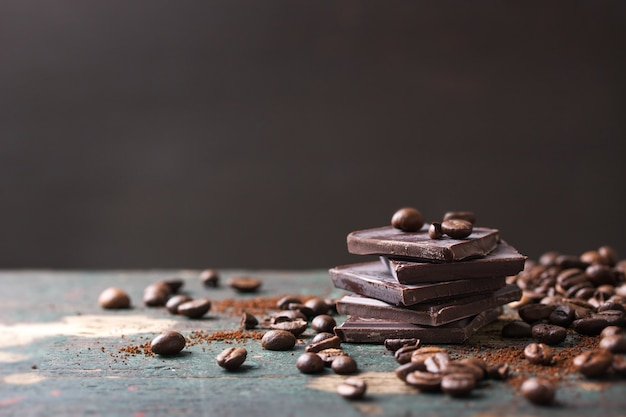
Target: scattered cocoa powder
<point x="256" y="305"/>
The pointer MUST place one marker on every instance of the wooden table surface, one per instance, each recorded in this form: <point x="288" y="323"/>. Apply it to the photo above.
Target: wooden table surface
<point x="59" y="355"/>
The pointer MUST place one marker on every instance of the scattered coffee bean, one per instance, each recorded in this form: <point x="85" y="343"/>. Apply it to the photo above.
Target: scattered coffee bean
<point x="174" y="284"/>
<point x="352" y="388"/>
<point x="244" y="284"/>
<point x="460" y="215"/>
<point x="517" y="329"/>
<point x="172" y="304"/>
<point x="210" y="278"/>
<point x="322" y="336"/>
<point x="500" y="371"/>
<point x="610" y="306"/>
<point x="593" y="363"/>
<point x="302" y="309"/>
<point x="248" y="321"/>
<point x="456" y="228"/>
<point x="614" y="343"/>
<point x="403" y="370"/>
<point x="395" y="344"/>
<point x="612" y="330"/>
<point x="608" y="255"/>
<point x="435" y="231"/>
<point x="549" y="334"/>
<point x="168" y="343"/>
<point x="283" y="303"/>
<point x="404" y="354"/>
<point x="344" y="365"/>
<point x="477" y="362"/>
<point x="424" y="381"/>
<point x="114" y="298"/>
<point x="437" y="362"/>
<point x="295" y="326"/>
<point x="195" y="309"/>
<point x="156" y="295"/>
<point x="318" y="305"/>
<point x="421" y="354"/>
<point x="278" y="340"/>
<point x="329" y="355"/>
<point x="310" y="363"/>
<point x="562" y="315"/>
<point x="619" y="365"/>
<point x="458" y="384"/>
<point x="533" y="313"/>
<point x="612" y="317"/>
<point x="407" y="219"/>
<point x="464" y="368"/>
<point x="232" y="358"/>
<point x="589" y="326"/>
<point x="323" y="323"/>
<point x="538" y="354"/>
<point x="538" y="391"/>
<point x="327" y="343"/>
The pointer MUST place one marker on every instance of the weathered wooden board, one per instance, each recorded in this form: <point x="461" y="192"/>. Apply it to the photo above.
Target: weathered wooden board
<point x="59" y="355"/>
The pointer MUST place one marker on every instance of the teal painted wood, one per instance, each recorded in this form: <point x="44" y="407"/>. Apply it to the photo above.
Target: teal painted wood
<point x="59" y="355"/>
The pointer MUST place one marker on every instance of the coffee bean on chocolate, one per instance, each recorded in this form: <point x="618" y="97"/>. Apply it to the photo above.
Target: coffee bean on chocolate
<point x="344" y="365"/>
<point x="594" y="363"/>
<point x="517" y="329"/>
<point x="172" y="304"/>
<point x="458" y="384"/>
<point x="195" y="309"/>
<point x="562" y="315"/>
<point x="352" y="388"/>
<point x="323" y="323"/>
<point x="612" y="330"/>
<point x="407" y="219"/>
<point x="460" y="215"/>
<point x="244" y="284"/>
<point x="278" y="340"/>
<point x="395" y="344"/>
<point x="283" y="303"/>
<point x="318" y="305"/>
<point x="615" y="343"/>
<point x="232" y="358"/>
<point x="248" y="321"/>
<point x="296" y="326"/>
<point x="457" y="229"/>
<point x="435" y="231"/>
<point x="538" y="391"/>
<point x="403" y="370"/>
<point x="156" y="295"/>
<point x="210" y="278"/>
<point x="589" y="326"/>
<point x="310" y="363"/>
<point x="168" y="343"/>
<point x="114" y="298"/>
<point x="539" y="354"/>
<point x="424" y="381"/>
<point x="549" y="334"/>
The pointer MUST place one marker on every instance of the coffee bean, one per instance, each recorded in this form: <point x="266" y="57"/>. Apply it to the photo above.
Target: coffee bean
<point x="195" y="309"/>
<point x="456" y="228"/>
<point x="329" y="355"/>
<point x="533" y="313"/>
<point x="302" y="309"/>
<point x="591" y="257"/>
<point x="210" y="278"/>
<point x="610" y="305"/>
<point x="538" y="391"/>
<point x="464" y="368"/>
<point x="296" y="326"/>
<point x="600" y="274"/>
<point x="323" y="323"/>
<point x="458" y="384"/>
<point x="327" y="343"/>
<point x="172" y="304"/>
<point x="615" y="343"/>
<point x="156" y="295"/>
<point x="114" y="298"/>
<point x="437" y="362"/>
<point x="608" y="255"/>
<point x="612" y="317"/>
<point x="549" y="334"/>
<point x="283" y="303"/>
<point x="168" y="343"/>
<point x="407" y="219"/>
<point x="548" y="258"/>
<point x="278" y="340"/>
<point x="435" y="231"/>
<point x="517" y="329"/>
<point x="593" y="363"/>
<point x="352" y="388"/>
<point x="174" y="284"/>
<point x="424" y="381"/>
<point x="477" y="362"/>
<point x="589" y="326"/>
<point x="403" y="370"/>
<point x="460" y="215"/>
<point x="344" y="365"/>
<point x="612" y="330"/>
<point x="244" y="284"/>
<point x="286" y="315"/>
<point x="322" y="336"/>
<point x="421" y="354"/>
<point x="538" y="354"/>
<point x="405" y="353"/>
<point x="570" y="261"/>
<point x="318" y="305"/>
<point x="310" y="363"/>
<point x="232" y="358"/>
<point x="248" y="321"/>
<point x="619" y="365"/>
<point x="395" y="344"/>
<point x="562" y="315"/>
<point x="500" y="371"/>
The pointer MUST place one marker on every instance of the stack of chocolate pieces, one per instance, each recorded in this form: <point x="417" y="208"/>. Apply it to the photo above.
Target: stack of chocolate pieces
<point x="439" y="289"/>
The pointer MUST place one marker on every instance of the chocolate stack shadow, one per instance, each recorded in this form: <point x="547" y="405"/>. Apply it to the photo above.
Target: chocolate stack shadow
<point x="437" y="290"/>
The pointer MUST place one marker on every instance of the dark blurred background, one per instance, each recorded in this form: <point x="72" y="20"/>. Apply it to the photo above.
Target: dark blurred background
<point x="258" y="134"/>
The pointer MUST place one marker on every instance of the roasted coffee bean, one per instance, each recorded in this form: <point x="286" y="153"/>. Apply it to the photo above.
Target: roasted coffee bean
<point x="435" y="231"/>
<point x="477" y="362"/>
<point x="581" y="308"/>
<point x="283" y="303"/>
<point x="114" y="298"/>
<point x="327" y="343"/>
<point x="318" y="305"/>
<point x="156" y="295"/>
<point x="570" y="278"/>
<point x="323" y="323"/>
<point x="533" y="313"/>
<point x="407" y="219"/>
<point x="322" y="336"/>
<point x="286" y="315"/>
<point x="232" y="358"/>
<point x="608" y="255"/>
<point x="591" y="257"/>
<point x="437" y="362"/>
<point x="610" y="305"/>
<point x="549" y="334"/>
<point x="173" y="303"/>
<point x="517" y="329"/>
<point x="619" y="365"/>
<point x="593" y="363"/>
<point x="612" y="330"/>
<point x="538" y="391"/>
<point x="310" y="363"/>
<point x="612" y="317"/>
<point x="278" y="340"/>
<point x="331" y="303"/>
<point x="421" y="354"/>
<point x="615" y="343"/>
<point x="249" y="321"/>
<point x="460" y="215"/>
<point x="600" y="274"/>
<point x="570" y="261"/>
<point x="500" y="371"/>
<point x="244" y="284"/>
<point x="464" y="368"/>
<point x="403" y="370"/>
<point x="210" y="278"/>
<point x="538" y="354"/>
<point x="344" y="365"/>
<point x="405" y="353"/>
<point x="302" y="309"/>
<point x="589" y="326"/>
<point x="168" y="343"/>
<point x="329" y="355"/>
<point x="296" y="326"/>
<point x="458" y="384"/>
<point x="195" y="309"/>
<point x="424" y="381"/>
<point x="548" y="258"/>
<point x="456" y="228"/>
<point x="562" y="315"/>
<point x="352" y="388"/>
<point x="395" y="344"/>
<point x="174" y="284"/>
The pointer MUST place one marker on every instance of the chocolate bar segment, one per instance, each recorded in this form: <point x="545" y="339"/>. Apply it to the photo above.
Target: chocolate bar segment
<point x="395" y="243"/>
<point x="366" y="330"/>
<point x="429" y="314"/>
<point x="503" y="261"/>
<point x="373" y="279"/>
